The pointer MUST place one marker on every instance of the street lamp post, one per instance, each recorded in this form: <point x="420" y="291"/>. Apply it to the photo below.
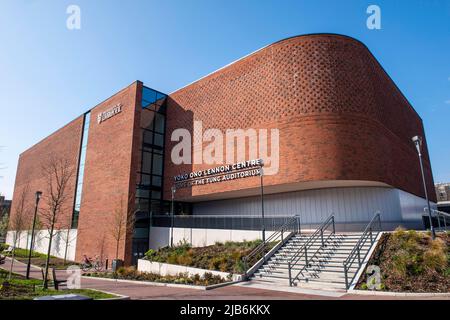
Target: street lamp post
<point x="171" y="216"/>
<point x="38" y="197"/>
<point x="262" y="204"/>
<point x="418" y="143"/>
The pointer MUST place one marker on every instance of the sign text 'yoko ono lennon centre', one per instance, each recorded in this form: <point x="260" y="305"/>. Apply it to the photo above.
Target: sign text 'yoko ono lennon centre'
<point x="308" y="126"/>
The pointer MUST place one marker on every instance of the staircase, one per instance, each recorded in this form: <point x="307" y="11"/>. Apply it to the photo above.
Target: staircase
<point x="325" y="270"/>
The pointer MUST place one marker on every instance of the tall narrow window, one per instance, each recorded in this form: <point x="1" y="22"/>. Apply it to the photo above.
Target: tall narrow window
<point x="81" y="162"/>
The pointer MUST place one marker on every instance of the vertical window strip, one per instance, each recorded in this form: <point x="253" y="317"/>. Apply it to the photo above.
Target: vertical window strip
<point x="80" y="177"/>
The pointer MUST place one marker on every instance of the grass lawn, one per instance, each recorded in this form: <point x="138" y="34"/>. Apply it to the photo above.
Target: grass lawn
<point x="226" y="257"/>
<point x="410" y="261"/>
<point x="19" y="288"/>
<point x="38" y="259"/>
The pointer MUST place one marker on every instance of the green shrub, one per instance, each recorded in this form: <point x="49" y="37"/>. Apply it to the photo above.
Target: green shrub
<point x="413" y="254"/>
<point x="185" y="259"/>
<point x="224" y="257"/>
<point x="150" y="254"/>
<point x="129" y="273"/>
<point x="436" y="257"/>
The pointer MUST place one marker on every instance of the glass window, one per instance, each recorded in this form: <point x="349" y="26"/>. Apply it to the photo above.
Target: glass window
<point x="142" y="193"/>
<point x="146" y="162"/>
<point x="80" y="177"/>
<point x="142" y="204"/>
<point x="156" y="181"/>
<point x="148" y="97"/>
<point x="157" y="164"/>
<point x="140" y="233"/>
<point x="159" y="123"/>
<point x="156" y="195"/>
<point x="159" y="140"/>
<point x="155" y="206"/>
<point x="160" y="98"/>
<point x="151" y="98"/>
<point x="145" y="179"/>
<point x="148" y="137"/>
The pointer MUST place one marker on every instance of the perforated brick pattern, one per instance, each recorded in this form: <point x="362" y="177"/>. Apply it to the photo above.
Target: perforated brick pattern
<point x="340" y="115"/>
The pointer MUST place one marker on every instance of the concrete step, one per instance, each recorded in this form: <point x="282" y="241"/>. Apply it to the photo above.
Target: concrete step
<point x="315" y="248"/>
<point x="326" y="266"/>
<point x="325" y="269"/>
<point x="308" y="274"/>
<point x="344" y="245"/>
<point x="338" y="240"/>
<point x="335" y="256"/>
<point x="338" y="267"/>
<point x="301" y="284"/>
<point x="353" y="236"/>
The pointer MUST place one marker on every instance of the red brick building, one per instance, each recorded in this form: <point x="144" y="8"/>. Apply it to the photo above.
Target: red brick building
<point x="344" y="146"/>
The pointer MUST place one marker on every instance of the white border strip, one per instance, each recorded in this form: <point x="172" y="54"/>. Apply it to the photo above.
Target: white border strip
<point x="364" y="264"/>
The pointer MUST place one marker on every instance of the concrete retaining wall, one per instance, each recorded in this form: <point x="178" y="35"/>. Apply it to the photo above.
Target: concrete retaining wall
<point x="165" y="269"/>
<point x="42" y="240"/>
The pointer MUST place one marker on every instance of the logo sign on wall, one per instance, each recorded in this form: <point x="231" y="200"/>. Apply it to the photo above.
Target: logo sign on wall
<point x="111" y="112"/>
<point x="223" y="173"/>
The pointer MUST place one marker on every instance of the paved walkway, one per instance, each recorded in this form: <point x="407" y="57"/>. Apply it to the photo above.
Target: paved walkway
<point x="233" y="292"/>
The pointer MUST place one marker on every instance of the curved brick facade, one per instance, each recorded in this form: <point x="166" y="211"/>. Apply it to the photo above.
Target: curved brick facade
<point x="340" y="115"/>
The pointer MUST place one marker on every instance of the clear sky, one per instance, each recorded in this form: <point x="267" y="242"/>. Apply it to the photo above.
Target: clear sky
<point x="49" y="74"/>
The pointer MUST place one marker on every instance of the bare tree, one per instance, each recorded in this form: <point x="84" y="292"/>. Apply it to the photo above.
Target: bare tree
<point x="122" y="222"/>
<point x="18" y="221"/>
<point x="57" y="171"/>
<point x="66" y="236"/>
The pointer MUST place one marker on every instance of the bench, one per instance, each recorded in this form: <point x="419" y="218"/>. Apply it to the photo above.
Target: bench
<point x="53" y="279"/>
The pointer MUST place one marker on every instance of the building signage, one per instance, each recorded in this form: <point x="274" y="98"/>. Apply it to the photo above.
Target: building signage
<point x="222" y="173"/>
<point x="111" y="112"/>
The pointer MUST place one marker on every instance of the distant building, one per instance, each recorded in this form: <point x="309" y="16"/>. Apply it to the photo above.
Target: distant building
<point x="442" y="191"/>
<point x="443" y="196"/>
<point x="5" y="206"/>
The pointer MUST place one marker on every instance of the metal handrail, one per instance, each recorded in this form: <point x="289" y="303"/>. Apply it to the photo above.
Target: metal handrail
<point x="293" y="224"/>
<point x="439" y="214"/>
<point x="303" y="251"/>
<point x="356" y="251"/>
<point x="233" y="222"/>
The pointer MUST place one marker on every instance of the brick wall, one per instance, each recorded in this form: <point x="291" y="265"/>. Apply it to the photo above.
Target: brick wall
<point x="64" y="144"/>
<point x="339" y="114"/>
<point x="109" y="173"/>
<point x="109" y="176"/>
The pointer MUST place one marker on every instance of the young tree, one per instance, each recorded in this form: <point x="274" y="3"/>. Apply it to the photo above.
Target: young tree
<point x="67" y="236"/>
<point x="122" y="222"/>
<point x="57" y="171"/>
<point x="18" y="221"/>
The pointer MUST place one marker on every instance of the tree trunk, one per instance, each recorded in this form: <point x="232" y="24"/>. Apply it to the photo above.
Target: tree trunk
<point x="47" y="261"/>
<point x="67" y="245"/>
<point x="117" y="250"/>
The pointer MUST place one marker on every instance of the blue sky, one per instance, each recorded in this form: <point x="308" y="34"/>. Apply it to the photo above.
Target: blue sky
<point x="50" y="74"/>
